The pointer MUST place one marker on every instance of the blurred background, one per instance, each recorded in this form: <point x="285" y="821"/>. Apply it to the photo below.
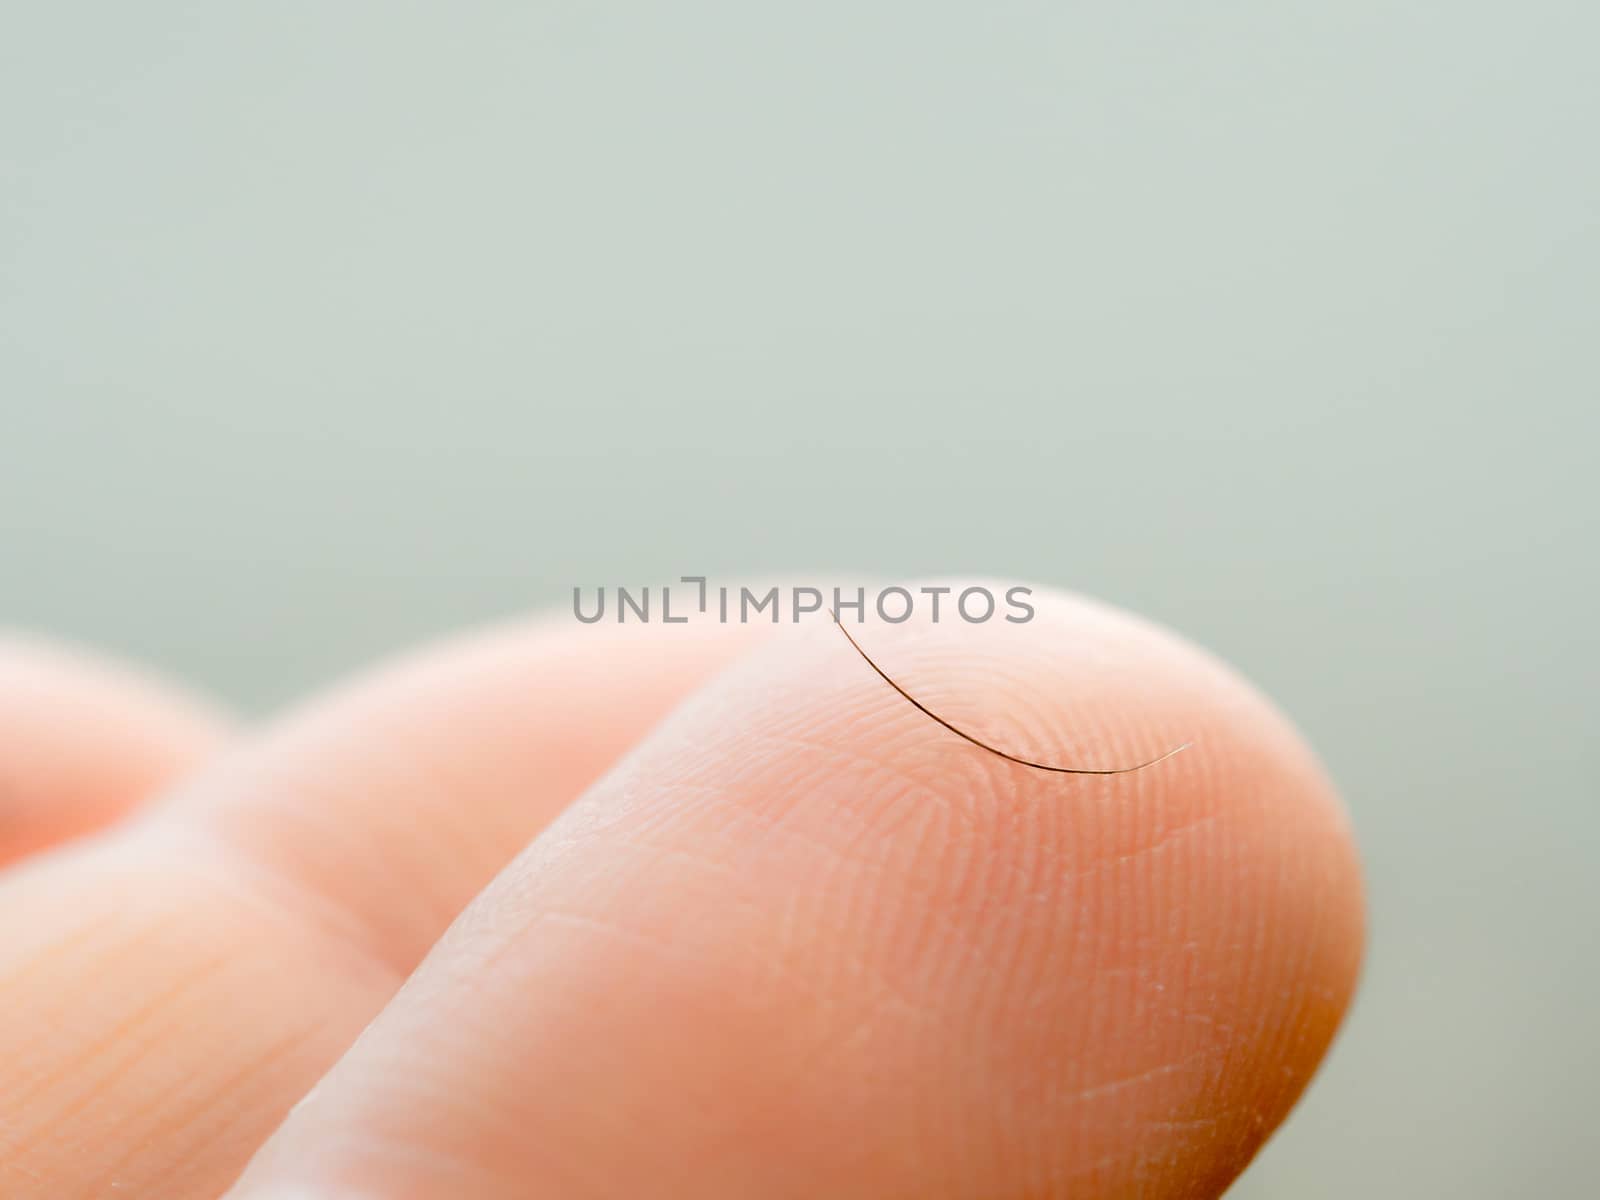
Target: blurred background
<point x="327" y="327"/>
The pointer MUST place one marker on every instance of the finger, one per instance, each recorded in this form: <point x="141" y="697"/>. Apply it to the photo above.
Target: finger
<point x="198" y="969"/>
<point x="392" y="801"/>
<point x="804" y="942"/>
<point x="83" y="740"/>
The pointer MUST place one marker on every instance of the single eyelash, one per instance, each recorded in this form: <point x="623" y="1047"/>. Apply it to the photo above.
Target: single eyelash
<point x="995" y="750"/>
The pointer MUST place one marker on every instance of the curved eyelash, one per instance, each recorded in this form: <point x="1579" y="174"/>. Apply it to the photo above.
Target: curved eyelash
<point x="961" y="733"/>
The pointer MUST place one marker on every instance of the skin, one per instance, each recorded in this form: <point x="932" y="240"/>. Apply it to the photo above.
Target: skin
<point x="792" y="940"/>
<point x="83" y="740"/>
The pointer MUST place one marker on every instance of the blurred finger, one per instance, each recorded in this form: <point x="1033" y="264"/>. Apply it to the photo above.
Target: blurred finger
<point x="83" y="740"/>
<point x="197" y="970"/>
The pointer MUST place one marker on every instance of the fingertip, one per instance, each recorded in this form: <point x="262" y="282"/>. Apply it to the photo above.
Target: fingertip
<point x="805" y="940"/>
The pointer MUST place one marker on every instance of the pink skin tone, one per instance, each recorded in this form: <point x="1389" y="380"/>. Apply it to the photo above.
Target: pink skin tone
<point x="83" y="740"/>
<point x="792" y="940"/>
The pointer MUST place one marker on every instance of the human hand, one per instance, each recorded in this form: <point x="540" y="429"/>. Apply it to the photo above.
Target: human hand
<point x="794" y="941"/>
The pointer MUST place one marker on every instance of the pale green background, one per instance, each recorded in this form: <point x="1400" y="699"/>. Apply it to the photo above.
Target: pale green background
<point x="324" y="326"/>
